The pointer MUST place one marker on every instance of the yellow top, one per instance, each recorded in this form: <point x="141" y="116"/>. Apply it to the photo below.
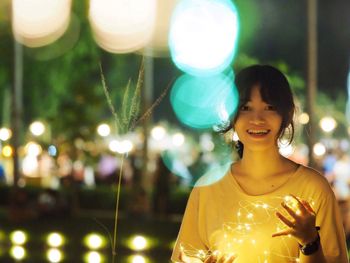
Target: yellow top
<point x="222" y="217"/>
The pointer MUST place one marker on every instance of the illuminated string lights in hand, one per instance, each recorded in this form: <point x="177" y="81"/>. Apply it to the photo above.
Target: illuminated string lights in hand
<point x="249" y="233"/>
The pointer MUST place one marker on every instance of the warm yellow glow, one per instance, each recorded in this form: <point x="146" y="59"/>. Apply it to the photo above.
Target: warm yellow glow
<point x="328" y="124"/>
<point x="103" y="130"/>
<point x="54" y="255"/>
<point x="55" y="240"/>
<point x="138" y="259"/>
<point x="37" y="128"/>
<point x="139" y="243"/>
<point x="158" y="133"/>
<point x="304" y="118"/>
<point x="33" y="149"/>
<point x="122" y="26"/>
<point x="93" y="257"/>
<point x="94" y="241"/>
<point x="5" y="134"/>
<point x="18" y="237"/>
<point x="7" y="151"/>
<point x="30" y="166"/>
<point x="37" y="23"/>
<point x="122" y="147"/>
<point x="319" y="149"/>
<point x="245" y="233"/>
<point x="18" y="252"/>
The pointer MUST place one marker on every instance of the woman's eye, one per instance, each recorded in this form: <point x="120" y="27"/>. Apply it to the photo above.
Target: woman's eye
<point x="270" y="107"/>
<point x="244" y="108"/>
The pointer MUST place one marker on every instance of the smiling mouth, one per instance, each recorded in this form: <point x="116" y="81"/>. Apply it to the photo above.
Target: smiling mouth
<point x="258" y="132"/>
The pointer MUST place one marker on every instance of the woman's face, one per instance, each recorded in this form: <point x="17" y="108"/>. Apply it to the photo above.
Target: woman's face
<point x="258" y="123"/>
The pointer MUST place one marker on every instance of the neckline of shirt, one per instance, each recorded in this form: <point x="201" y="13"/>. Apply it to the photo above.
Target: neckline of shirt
<point x="273" y="191"/>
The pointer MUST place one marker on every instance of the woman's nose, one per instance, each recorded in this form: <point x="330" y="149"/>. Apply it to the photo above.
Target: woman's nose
<point x="257" y="118"/>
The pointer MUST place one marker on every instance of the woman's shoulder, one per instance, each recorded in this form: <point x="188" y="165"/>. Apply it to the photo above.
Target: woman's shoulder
<point x="313" y="178"/>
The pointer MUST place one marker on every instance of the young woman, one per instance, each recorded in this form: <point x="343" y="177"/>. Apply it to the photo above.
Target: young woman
<point x="267" y="208"/>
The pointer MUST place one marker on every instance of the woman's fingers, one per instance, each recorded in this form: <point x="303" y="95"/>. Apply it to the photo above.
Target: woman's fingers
<point x="211" y="259"/>
<point x="301" y="205"/>
<point x="230" y="259"/>
<point x="308" y="207"/>
<point x="285" y="220"/>
<point x="284" y="232"/>
<point x="290" y="211"/>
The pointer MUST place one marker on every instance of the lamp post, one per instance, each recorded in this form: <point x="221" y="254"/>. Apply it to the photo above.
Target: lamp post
<point x="17" y="105"/>
<point x="312" y="73"/>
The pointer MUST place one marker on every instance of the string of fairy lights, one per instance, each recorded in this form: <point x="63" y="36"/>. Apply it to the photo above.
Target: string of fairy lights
<point x="250" y="231"/>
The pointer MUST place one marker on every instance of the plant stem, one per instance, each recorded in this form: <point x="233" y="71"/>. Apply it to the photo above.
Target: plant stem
<point x="114" y="251"/>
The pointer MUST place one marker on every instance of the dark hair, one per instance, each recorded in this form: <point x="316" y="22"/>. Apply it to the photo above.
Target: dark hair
<point x="274" y="89"/>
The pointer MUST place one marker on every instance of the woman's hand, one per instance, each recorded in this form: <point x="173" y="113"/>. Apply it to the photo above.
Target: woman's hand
<point x="302" y="226"/>
<point x="213" y="258"/>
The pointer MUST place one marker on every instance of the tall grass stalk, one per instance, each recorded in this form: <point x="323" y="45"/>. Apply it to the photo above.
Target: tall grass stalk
<point x="125" y="123"/>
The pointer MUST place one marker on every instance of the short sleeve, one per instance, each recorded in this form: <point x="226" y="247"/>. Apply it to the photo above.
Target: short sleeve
<point x="332" y="231"/>
<point x="189" y="236"/>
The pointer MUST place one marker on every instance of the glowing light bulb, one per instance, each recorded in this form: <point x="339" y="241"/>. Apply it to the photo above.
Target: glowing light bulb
<point x="54" y="255"/>
<point x="139" y="243"/>
<point x="18" y="237"/>
<point x="103" y="130"/>
<point x="5" y="134"/>
<point x="18" y="252"/>
<point x="37" y="128"/>
<point x="55" y="240"/>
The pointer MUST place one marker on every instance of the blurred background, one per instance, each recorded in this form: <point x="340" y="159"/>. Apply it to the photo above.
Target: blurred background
<point x="96" y="94"/>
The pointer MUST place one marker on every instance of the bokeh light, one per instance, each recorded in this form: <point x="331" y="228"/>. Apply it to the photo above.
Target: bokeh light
<point x="54" y="255"/>
<point x="121" y="26"/>
<point x="94" y="241"/>
<point x="103" y="130"/>
<point x="328" y="124"/>
<point x="7" y="151"/>
<point x="18" y="237"/>
<point x="93" y="257"/>
<point x="319" y="149"/>
<point x="214" y="173"/>
<point x="33" y="149"/>
<point x="158" y="45"/>
<point x="158" y="133"/>
<point x="55" y="239"/>
<point x="304" y="118"/>
<point x="29" y="16"/>
<point x="203" y="35"/>
<point x="52" y="150"/>
<point x="138" y="243"/>
<point x="178" y="139"/>
<point x="204" y="102"/>
<point x="5" y="134"/>
<point x="137" y="259"/>
<point x="120" y="147"/>
<point x="206" y="142"/>
<point x="37" y="128"/>
<point x="18" y="252"/>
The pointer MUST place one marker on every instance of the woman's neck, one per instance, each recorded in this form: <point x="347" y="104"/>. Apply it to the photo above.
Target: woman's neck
<point x="263" y="164"/>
